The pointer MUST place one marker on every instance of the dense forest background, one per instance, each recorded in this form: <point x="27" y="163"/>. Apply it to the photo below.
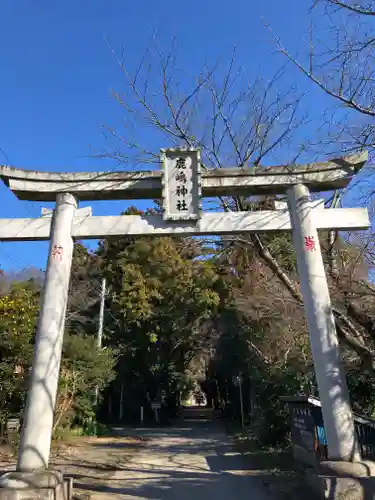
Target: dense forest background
<point x="184" y="315"/>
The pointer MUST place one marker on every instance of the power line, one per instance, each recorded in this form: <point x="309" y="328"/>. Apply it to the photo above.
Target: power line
<point x="28" y="264"/>
<point x="5" y="155"/>
<point x="15" y="263"/>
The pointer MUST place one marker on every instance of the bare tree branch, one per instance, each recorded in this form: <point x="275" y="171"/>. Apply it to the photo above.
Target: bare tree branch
<point x="339" y="94"/>
<point x="346" y="330"/>
<point x="357" y="8"/>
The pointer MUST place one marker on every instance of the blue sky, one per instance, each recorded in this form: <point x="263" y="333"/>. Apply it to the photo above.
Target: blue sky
<point x="57" y="72"/>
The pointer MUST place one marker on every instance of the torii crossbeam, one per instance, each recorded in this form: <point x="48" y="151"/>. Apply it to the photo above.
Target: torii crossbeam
<point x="87" y="186"/>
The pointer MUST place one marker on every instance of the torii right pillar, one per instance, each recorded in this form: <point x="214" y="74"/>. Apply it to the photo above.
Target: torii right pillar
<point x="333" y="391"/>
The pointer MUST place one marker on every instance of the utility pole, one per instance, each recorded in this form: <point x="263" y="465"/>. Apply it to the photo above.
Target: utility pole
<point x="101" y="314"/>
<point x="333" y="391"/>
<point x="121" y="409"/>
<point x="241" y="400"/>
<point x="100" y="328"/>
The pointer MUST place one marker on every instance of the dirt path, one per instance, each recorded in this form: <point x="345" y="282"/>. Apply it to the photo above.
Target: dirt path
<point x="94" y="461"/>
<point x="194" y="460"/>
<point x="90" y="460"/>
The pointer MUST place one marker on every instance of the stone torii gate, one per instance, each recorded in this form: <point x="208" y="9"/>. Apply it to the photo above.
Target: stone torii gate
<point x="182" y="184"/>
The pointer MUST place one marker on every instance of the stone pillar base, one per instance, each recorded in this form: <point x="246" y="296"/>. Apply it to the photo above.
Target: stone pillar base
<point x="343" y="480"/>
<point x="37" y="485"/>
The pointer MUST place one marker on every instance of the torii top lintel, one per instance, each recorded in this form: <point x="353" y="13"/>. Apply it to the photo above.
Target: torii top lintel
<point x="43" y="186"/>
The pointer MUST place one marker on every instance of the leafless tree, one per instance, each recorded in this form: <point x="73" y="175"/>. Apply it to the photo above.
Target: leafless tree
<point x="235" y="121"/>
<point x="339" y="59"/>
<point x="84" y="291"/>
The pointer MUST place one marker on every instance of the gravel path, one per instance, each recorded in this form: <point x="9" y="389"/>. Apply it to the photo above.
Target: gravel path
<point x="192" y="461"/>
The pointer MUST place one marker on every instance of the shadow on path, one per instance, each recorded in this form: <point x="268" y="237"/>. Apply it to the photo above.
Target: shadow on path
<point x="192" y="460"/>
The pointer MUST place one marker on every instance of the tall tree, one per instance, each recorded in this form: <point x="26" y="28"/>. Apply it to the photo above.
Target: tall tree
<point x="234" y="121"/>
<point x="161" y="298"/>
<point x="233" y="118"/>
<point x="84" y="291"/>
<point x="18" y="317"/>
<point x="339" y="60"/>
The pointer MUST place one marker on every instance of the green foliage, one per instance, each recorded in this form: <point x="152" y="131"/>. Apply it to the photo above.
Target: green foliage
<point x="177" y="318"/>
<point x="261" y="338"/>
<point x="270" y="383"/>
<point x="281" y="244"/>
<point x="18" y="316"/>
<point x="150" y="278"/>
<point x="161" y="296"/>
<point x="84" y="367"/>
<point x="361" y="383"/>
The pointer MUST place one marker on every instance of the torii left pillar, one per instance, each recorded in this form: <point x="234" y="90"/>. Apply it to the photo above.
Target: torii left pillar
<point x="32" y="478"/>
<point x="41" y="398"/>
